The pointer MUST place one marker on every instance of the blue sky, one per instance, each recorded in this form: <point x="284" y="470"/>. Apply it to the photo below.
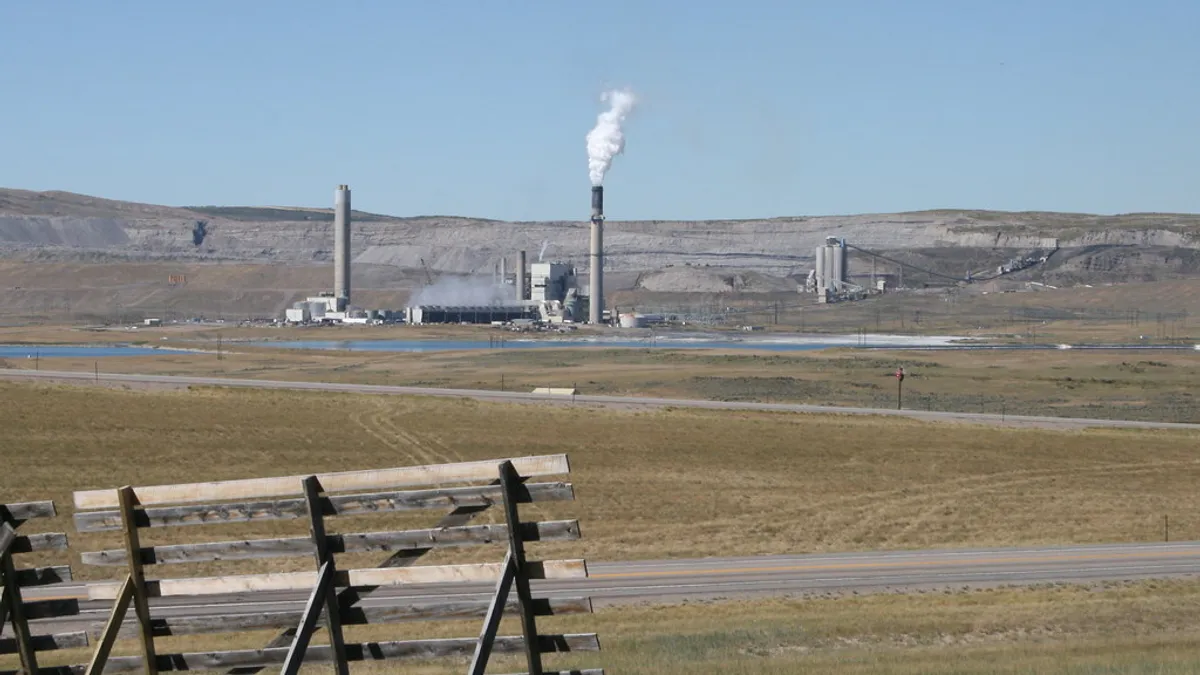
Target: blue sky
<point x="480" y="108"/>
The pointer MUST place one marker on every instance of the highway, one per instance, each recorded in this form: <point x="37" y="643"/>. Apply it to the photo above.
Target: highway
<point x="584" y="399"/>
<point x="674" y="580"/>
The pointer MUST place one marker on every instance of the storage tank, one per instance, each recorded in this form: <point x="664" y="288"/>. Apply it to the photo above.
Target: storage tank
<point x="845" y="254"/>
<point x="830" y="267"/>
<point x="819" y="266"/>
<point x="838" y="275"/>
<point x="628" y="320"/>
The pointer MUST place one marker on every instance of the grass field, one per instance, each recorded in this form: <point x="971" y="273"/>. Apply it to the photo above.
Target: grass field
<point x="695" y="483"/>
<point x="1141" y="628"/>
<point x="650" y="484"/>
<point x="1155" y="386"/>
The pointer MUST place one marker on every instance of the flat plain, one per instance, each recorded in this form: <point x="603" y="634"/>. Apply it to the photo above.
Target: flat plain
<point x="676" y="483"/>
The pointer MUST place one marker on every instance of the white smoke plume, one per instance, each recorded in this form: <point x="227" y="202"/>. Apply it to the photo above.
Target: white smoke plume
<point x="606" y="140"/>
<point x="541" y="253"/>
<point x="473" y="291"/>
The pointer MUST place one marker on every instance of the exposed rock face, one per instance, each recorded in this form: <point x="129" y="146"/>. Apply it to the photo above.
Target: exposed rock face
<point x="57" y="226"/>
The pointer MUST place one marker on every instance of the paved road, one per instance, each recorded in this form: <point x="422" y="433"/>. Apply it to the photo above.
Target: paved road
<point x="672" y="580"/>
<point x="622" y="401"/>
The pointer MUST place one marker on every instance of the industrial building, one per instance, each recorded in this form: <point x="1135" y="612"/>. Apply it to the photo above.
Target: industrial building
<point x="544" y="291"/>
<point x="830" y="276"/>
<point x="333" y="306"/>
<point x="486" y="314"/>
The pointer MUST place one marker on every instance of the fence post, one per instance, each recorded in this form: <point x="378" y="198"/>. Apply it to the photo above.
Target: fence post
<point x="12" y="598"/>
<point x="333" y="621"/>
<point x="141" y="602"/>
<point x="510" y="482"/>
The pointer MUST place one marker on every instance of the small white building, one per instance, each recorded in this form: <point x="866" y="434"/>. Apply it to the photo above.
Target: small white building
<point x="297" y="315"/>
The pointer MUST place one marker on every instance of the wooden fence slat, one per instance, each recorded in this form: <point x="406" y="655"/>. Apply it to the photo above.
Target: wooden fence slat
<point x="78" y="670"/>
<point x="491" y="622"/>
<point x="45" y="541"/>
<point x="137" y="577"/>
<point x="333" y="620"/>
<point x="472" y="535"/>
<point x="369" y="651"/>
<point x="403" y="611"/>
<point x="349" y="481"/>
<point x="459" y="516"/>
<point x="482" y="573"/>
<point x="509" y="480"/>
<point x="12" y="599"/>
<point x="17" y="513"/>
<point x="108" y="636"/>
<point x="332" y="505"/>
<point x="8" y="536"/>
<point x="44" y="576"/>
<point x="308" y="622"/>
<point x="46" y="643"/>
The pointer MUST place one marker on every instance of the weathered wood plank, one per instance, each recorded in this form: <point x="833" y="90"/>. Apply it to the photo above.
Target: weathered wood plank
<point x="112" y="628"/>
<point x="46" y="541"/>
<point x="332" y="505"/>
<point x="491" y="621"/>
<point x="16" y="608"/>
<point x="308" y="623"/>
<point x="137" y="578"/>
<point x="46" y="643"/>
<point x="320" y="539"/>
<point x="370" y="651"/>
<point x="302" y="581"/>
<point x="348" y="481"/>
<point x="509" y="480"/>
<point x="557" y="530"/>
<point x="350" y="596"/>
<point x="401" y="612"/>
<point x="44" y="576"/>
<point x="8" y="537"/>
<point x="17" y="513"/>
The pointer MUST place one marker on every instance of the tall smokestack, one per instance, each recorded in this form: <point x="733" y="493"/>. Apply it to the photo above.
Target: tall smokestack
<point x="341" y="245"/>
<point x="596" y="306"/>
<point x="522" y="294"/>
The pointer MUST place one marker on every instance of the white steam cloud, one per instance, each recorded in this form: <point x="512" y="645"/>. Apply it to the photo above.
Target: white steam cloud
<point x="606" y="140"/>
<point x="473" y="291"/>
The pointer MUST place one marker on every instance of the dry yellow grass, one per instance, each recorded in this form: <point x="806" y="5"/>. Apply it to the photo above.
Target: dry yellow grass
<point x="1158" y="386"/>
<point x="1146" y="627"/>
<point x="649" y="484"/>
<point x="693" y="483"/>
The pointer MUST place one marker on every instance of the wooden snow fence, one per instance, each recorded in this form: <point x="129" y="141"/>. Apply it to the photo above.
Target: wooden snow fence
<point x="335" y="594"/>
<point x="15" y="611"/>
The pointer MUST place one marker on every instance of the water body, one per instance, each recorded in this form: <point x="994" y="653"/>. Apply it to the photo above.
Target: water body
<point x="73" y="351"/>
<point x="707" y="342"/>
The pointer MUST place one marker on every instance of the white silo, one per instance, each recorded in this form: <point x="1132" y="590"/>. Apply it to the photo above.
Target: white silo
<point x="831" y="262"/>
<point x="819" y="267"/>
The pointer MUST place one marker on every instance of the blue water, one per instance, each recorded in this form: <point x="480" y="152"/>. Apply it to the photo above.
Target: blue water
<point x="72" y="351"/>
<point x="446" y="345"/>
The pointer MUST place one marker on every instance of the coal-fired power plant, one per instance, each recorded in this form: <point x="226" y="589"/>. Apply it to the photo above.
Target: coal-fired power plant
<point x="341" y="247"/>
<point x="596" y="258"/>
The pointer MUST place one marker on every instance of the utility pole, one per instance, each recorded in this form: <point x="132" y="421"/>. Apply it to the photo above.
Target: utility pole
<point x="899" y="388"/>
